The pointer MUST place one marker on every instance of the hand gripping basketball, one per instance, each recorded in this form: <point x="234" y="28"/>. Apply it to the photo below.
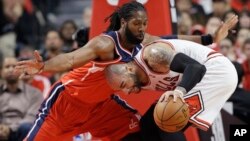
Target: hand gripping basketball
<point x="171" y="116"/>
<point x="176" y="93"/>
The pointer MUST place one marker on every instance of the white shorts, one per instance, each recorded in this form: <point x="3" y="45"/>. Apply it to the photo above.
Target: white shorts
<point x="207" y="98"/>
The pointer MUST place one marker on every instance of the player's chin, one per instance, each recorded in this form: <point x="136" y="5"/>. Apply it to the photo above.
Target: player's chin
<point x="140" y="38"/>
<point x="137" y="90"/>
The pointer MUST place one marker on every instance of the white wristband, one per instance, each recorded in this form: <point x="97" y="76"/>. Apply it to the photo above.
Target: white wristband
<point x="181" y="93"/>
<point x="181" y="90"/>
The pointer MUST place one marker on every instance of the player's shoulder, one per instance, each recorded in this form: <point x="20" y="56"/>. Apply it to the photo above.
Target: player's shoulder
<point x="104" y="43"/>
<point x="181" y="42"/>
<point x="160" y="43"/>
<point x="148" y="38"/>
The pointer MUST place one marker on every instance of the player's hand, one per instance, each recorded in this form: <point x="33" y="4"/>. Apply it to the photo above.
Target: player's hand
<point x="224" y="28"/>
<point x="175" y="94"/>
<point x="4" y="132"/>
<point x="28" y="68"/>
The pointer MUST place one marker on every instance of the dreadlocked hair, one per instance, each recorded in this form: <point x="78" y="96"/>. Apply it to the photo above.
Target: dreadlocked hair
<point x="126" y="12"/>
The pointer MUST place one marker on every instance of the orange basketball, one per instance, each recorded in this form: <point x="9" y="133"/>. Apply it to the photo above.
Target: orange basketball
<point x="170" y="116"/>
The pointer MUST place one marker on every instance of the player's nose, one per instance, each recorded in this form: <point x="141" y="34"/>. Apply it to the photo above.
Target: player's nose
<point x="126" y="91"/>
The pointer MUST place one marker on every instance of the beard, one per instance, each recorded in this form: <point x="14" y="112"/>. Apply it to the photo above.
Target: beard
<point x="137" y="82"/>
<point x="131" y="38"/>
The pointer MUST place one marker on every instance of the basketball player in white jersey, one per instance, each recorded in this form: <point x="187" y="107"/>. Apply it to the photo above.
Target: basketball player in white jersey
<point x="202" y="77"/>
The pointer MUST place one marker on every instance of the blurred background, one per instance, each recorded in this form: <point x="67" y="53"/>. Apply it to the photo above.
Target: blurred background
<point x="48" y="26"/>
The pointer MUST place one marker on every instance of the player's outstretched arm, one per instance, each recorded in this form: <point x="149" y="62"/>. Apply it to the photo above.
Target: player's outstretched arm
<point x="63" y="62"/>
<point x="219" y="34"/>
<point x="224" y="28"/>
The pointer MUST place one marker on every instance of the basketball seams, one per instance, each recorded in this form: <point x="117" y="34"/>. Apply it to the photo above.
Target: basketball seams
<point x="183" y="104"/>
<point x="177" y="115"/>
<point x="162" y="116"/>
<point x="161" y="119"/>
<point x="175" y="123"/>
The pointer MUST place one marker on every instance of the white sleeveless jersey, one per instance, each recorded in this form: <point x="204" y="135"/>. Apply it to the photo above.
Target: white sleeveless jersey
<point x="157" y="81"/>
<point x="206" y="99"/>
<point x="169" y="81"/>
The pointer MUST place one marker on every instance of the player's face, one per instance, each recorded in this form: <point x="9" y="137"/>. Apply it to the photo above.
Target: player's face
<point x="130" y="84"/>
<point x="135" y="27"/>
<point x="128" y="81"/>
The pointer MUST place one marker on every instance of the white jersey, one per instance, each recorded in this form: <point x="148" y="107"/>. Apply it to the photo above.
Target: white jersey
<point x="207" y="98"/>
<point x="169" y="81"/>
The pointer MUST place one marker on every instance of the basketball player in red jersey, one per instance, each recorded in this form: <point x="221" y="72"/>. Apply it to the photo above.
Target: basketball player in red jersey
<point x="80" y="101"/>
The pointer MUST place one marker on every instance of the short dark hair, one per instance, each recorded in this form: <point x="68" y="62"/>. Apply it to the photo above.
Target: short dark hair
<point x="64" y="24"/>
<point x="53" y="30"/>
<point x="126" y="12"/>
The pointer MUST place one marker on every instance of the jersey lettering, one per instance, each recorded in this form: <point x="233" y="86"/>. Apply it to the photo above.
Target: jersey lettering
<point x="170" y="83"/>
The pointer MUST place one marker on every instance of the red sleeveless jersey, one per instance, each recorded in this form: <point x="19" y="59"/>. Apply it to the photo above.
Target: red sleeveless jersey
<point x="87" y="84"/>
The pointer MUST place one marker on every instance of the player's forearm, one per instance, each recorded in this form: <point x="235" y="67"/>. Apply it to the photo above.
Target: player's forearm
<point x="204" y="39"/>
<point x="59" y="63"/>
<point x="192" y="70"/>
<point x="192" y="75"/>
<point x="193" y="38"/>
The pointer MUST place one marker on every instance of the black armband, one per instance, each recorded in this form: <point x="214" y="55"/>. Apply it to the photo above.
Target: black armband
<point x="206" y="39"/>
<point x="192" y="70"/>
<point x="169" y="37"/>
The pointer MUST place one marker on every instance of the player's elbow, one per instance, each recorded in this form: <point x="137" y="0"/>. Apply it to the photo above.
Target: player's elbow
<point x="200" y="70"/>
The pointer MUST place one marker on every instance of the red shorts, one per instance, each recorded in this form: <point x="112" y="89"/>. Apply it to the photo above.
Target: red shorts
<point x="61" y="118"/>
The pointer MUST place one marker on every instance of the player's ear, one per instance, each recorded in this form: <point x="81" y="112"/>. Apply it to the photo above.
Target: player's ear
<point x="123" y="22"/>
<point x="129" y="69"/>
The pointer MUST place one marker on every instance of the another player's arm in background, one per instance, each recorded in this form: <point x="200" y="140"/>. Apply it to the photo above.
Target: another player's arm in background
<point x="219" y="34"/>
<point x="95" y="48"/>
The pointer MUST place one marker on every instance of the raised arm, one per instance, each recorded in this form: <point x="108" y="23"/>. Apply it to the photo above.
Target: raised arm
<point x="220" y="34"/>
<point x="95" y="48"/>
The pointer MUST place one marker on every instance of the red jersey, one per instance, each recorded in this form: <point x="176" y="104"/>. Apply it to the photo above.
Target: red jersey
<point x="87" y="83"/>
<point x="82" y="102"/>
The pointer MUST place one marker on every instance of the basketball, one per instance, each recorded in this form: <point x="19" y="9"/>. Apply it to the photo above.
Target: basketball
<point x="170" y="116"/>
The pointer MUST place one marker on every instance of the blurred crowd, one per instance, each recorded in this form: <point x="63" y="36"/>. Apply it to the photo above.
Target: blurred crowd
<point x="28" y="25"/>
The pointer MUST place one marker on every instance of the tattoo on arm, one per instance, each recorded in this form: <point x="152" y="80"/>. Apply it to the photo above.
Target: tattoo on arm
<point x="70" y="62"/>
